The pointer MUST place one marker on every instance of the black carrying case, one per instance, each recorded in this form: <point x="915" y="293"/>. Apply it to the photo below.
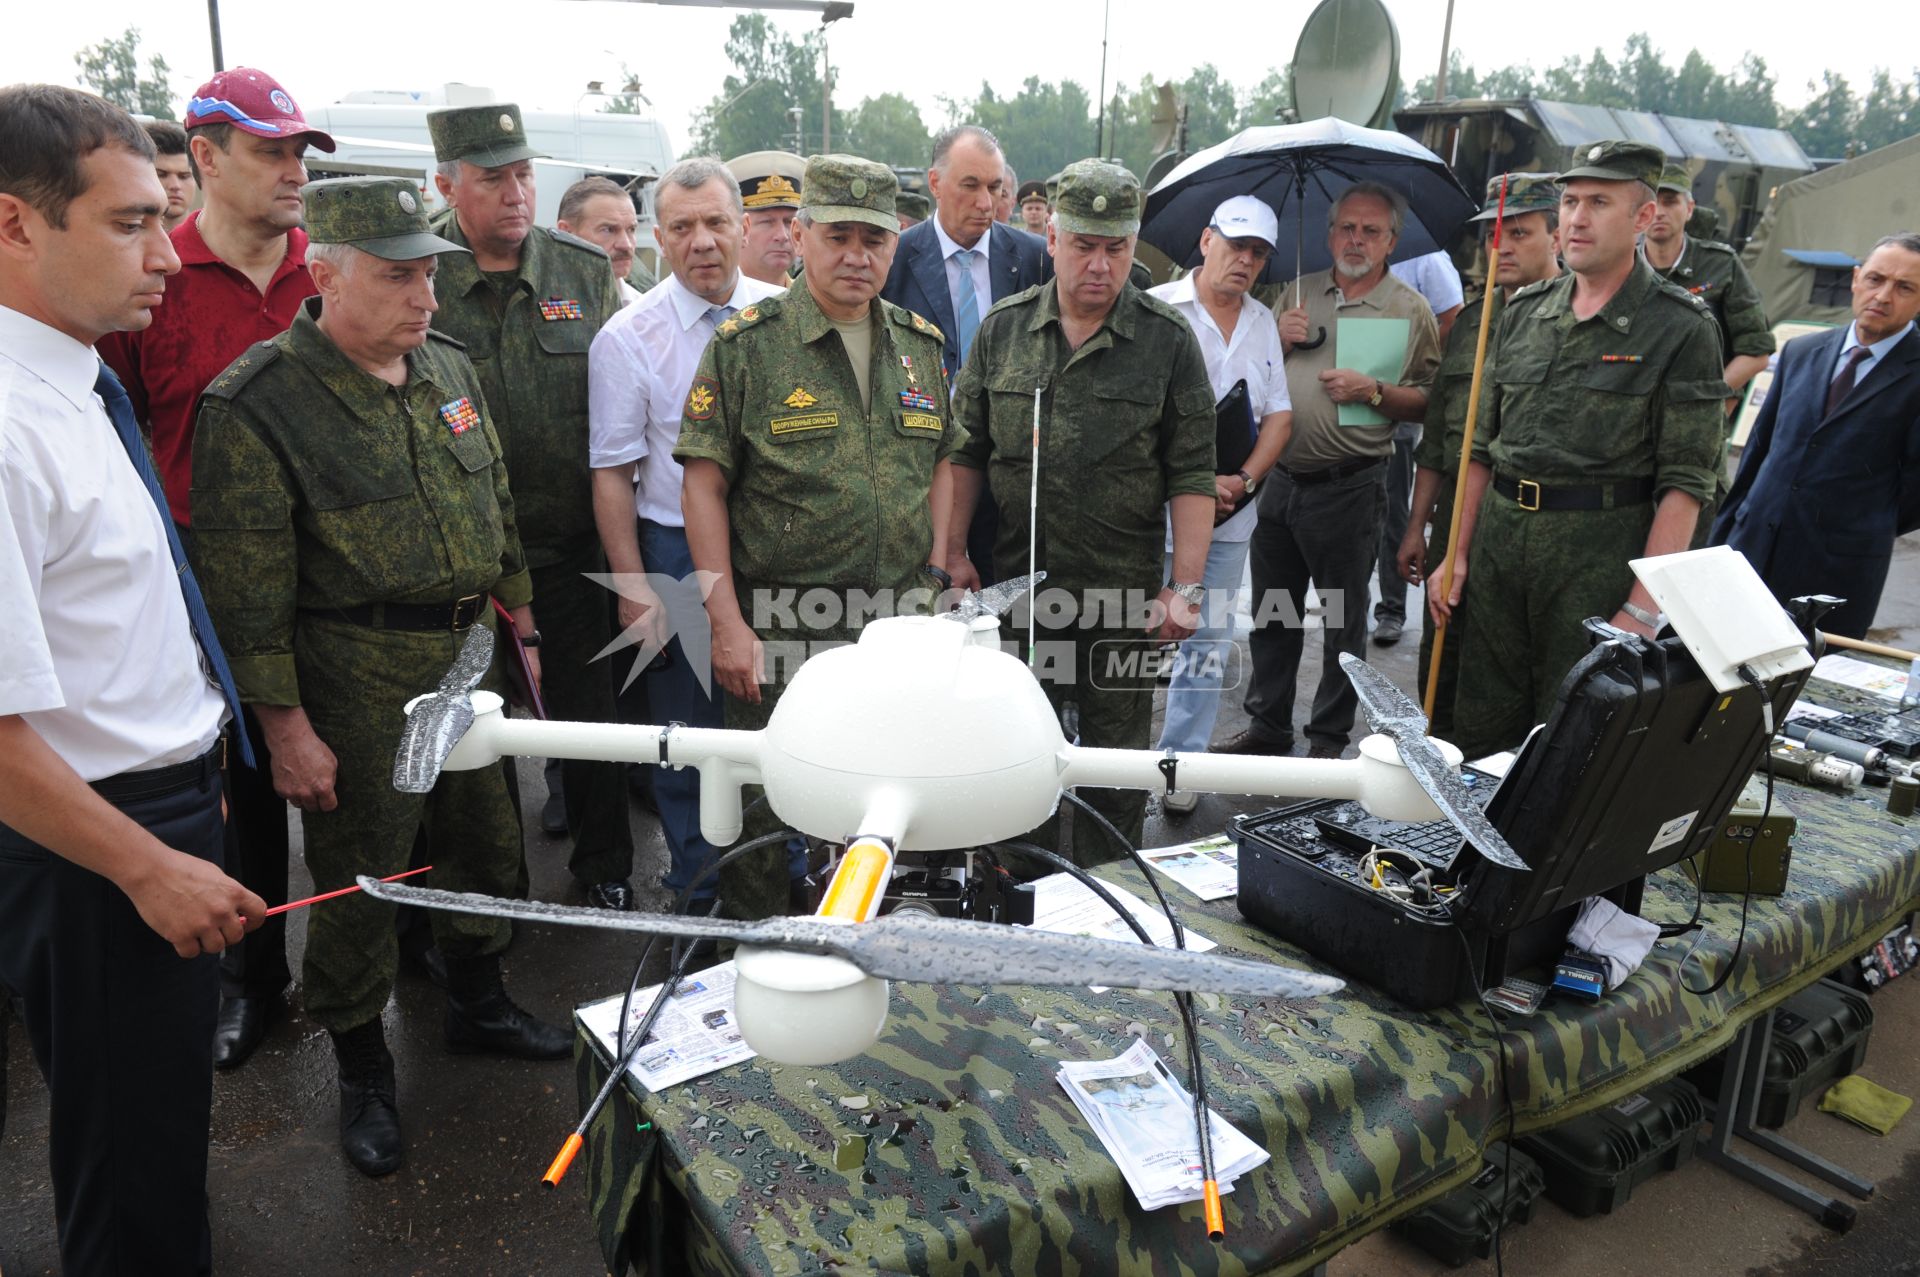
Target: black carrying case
<point x="1819" y="1036"/>
<point x="1594" y="1162"/>
<point x="1461" y="1226"/>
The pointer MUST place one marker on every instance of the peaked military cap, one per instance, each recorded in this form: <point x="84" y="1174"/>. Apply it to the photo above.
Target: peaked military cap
<point x="384" y="216"/>
<point x="1526" y="193"/>
<point x="1097" y="197"/>
<point x="1031" y="191"/>
<point x="846" y="188"/>
<point x="1618" y="161"/>
<point x="487" y="136"/>
<point x="768" y="179"/>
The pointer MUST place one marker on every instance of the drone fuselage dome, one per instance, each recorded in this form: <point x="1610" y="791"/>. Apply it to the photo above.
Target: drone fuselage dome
<point x="921" y="713"/>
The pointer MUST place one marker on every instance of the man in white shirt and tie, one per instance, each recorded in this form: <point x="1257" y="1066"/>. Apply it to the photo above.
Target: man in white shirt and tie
<point x="638" y="373"/>
<point x="112" y="896"/>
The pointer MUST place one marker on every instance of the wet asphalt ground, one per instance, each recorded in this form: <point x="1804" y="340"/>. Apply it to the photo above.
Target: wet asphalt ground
<point x="480" y="1132"/>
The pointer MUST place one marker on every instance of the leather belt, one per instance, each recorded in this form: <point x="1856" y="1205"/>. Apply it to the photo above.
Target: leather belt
<point x="457" y="615"/>
<point x="159" y="781"/>
<point x="1338" y="470"/>
<point x="1532" y="496"/>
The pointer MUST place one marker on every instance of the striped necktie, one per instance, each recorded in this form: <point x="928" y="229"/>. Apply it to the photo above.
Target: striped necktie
<point x="966" y="303"/>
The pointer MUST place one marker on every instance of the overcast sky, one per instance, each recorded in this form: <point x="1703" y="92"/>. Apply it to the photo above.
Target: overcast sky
<point x="541" y="53"/>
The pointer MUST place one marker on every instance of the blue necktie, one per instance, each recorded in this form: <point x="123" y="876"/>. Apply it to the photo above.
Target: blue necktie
<point x="721" y="314"/>
<point x="120" y="412"/>
<point x="966" y="303"/>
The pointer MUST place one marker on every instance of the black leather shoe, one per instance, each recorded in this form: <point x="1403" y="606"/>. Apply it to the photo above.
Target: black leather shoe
<point x="616" y="895"/>
<point x="482" y="1019"/>
<point x="369" y="1118"/>
<point x="242" y="1026"/>
<point x="1245" y="742"/>
<point x="553" y="814"/>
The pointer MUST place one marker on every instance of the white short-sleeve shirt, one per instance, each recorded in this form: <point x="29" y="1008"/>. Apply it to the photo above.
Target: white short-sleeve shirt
<point x="100" y="657"/>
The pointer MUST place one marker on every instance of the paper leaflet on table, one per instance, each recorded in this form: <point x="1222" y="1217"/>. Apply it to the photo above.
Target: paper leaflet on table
<point x="1061" y="904"/>
<point x="696" y="1034"/>
<point x="1863" y="675"/>
<point x="1209" y="868"/>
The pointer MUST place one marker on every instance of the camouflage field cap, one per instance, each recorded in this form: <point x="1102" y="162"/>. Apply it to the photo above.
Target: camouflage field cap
<point x="1618" y="161"/>
<point x="913" y="204"/>
<point x="488" y="136"/>
<point x="1674" y="177"/>
<point x="1526" y="193"/>
<point x="1097" y="197"/>
<point x="768" y="179"/>
<point x="384" y="216"/>
<point x="846" y="188"/>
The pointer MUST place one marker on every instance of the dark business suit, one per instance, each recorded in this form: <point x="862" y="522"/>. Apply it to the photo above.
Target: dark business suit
<point x="1820" y="497"/>
<point x="1016" y="261"/>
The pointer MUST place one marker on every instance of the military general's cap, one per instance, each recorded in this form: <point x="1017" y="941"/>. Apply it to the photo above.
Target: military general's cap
<point x="384" y="216"/>
<point x="912" y="204"/>
<point x="1526" y="193"/>
<point x="1032" y="191"/>
<point x="486" y="136"/>
<point x="1674" y="177"/>
<point x="1097" y="197"/>
<point x="768" y="179"/>
<point x="253" y="102"/>
<point x="1618" y="161"/>
<point x="846" y="188"/>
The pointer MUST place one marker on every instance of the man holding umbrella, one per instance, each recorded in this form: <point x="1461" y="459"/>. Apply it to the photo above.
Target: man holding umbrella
<point x="1321" y="508"/>
<point x="1599" y="435"/>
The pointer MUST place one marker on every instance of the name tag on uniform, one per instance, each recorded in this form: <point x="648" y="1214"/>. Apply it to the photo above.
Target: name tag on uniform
<point x="561" y="308"/>
<point x="921" y="421"/>
<point x="918" y="399"/>
<point x="460" y="415"/>
<point x="805" y="421"/>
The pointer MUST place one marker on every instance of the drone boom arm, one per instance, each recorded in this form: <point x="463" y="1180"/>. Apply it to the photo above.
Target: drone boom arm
<point x="1377" y="779"/>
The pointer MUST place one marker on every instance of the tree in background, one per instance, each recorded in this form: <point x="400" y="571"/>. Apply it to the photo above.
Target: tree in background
<point x="772" y="73"/>
<point x="1042" y="128"/>
<point x="887" y="129"/>
<point x="111" y="68"/>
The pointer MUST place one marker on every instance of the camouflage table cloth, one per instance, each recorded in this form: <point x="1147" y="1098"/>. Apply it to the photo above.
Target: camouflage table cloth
<point x="950" y="1148"/>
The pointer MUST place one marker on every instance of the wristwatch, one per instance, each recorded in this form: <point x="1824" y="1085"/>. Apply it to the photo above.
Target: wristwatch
<point x="1656" y="621"/>
<point x="940" y="575"/>
<point x="529" y="640"/>
<point x="1193" y="591"/>
<point x="1249" y="480"/>
<point x="1379" y="393"/>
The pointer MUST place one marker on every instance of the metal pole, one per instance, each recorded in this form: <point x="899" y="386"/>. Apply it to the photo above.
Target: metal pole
<point x="1100" y="129"/>
<point x="213" y="26"/>
<point x="1446" y="42"/>
<point x="826" y="97"/>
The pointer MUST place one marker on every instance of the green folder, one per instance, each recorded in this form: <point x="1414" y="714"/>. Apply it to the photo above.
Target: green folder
<point x="1375" y="348"/>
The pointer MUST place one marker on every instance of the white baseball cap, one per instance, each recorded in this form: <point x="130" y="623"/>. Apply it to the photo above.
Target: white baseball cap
<point x="1247" y="217"/>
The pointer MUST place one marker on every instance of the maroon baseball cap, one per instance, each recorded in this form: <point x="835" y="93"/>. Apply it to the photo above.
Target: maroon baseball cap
<point x="253" y="102"/>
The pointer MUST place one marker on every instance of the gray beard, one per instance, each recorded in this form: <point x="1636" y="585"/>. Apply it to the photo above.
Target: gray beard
<point x="1352" y="272"/>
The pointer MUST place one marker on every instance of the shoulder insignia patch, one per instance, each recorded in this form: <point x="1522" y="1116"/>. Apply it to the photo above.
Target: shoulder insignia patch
<point x="922" y="325"/>
<point x="574" y="241"/>
<point x="244" y="369"/>
<point x="800" y="398"/>
<point x="728" y="328"/>
<point x="701" y="398"/>
<point x="455" y="342"/>
<point x="750" y="315"/>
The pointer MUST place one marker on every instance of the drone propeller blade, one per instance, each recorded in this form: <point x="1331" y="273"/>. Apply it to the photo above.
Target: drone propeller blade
<point x="1392" y="712"/>
<point x="436" y="724"/>
<point x="995" y="600"/>
<point x="916" y="948"/>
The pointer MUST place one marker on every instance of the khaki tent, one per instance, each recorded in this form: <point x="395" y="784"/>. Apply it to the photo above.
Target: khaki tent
<point x="1818" y="227"/>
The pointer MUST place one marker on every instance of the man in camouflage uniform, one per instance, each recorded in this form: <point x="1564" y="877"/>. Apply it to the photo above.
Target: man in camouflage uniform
<point x="351" y="517"/>
<point x="1126" y="427"/>
<point x="1528" y="254"/>
<point x="1712" y="272"/>
<point x="1597" y="443"/>
<point x="815" y="445"/>
<point x="527" y="303"/>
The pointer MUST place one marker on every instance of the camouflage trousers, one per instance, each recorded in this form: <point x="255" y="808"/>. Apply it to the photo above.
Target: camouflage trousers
<point x="354" y="683"/>
<point x="1113" y="698"/>
<point x="1440" y="722"/>
<point x="1534" y="578"/>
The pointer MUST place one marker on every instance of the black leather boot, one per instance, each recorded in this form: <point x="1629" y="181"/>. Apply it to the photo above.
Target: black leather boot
<point x="482" y="1019"/>
<point x="369" y="1118"/>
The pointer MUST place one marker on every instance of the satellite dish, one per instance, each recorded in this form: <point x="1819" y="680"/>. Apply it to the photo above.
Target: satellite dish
<point x="1163" y="164"/>
<point x="1347" y="63"/>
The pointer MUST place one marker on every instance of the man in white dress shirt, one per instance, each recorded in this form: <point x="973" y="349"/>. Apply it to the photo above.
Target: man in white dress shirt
<point x="112" y="897"/>
<point x="638" y="373"/>
<point x="1240" y="341"/>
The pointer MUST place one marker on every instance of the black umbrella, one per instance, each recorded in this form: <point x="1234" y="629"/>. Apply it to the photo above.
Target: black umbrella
<point x="1301" y="169"/>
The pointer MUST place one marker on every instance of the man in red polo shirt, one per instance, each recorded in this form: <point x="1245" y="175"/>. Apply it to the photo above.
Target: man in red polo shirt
<point x="243" y="274"/>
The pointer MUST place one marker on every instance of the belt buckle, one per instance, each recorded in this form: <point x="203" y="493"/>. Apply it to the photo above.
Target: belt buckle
<point x="1520" y="494"/>
<point x="459" y="608"/>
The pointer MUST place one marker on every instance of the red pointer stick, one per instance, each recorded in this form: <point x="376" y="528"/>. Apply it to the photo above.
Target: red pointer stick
<point x="344" y="891"/>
